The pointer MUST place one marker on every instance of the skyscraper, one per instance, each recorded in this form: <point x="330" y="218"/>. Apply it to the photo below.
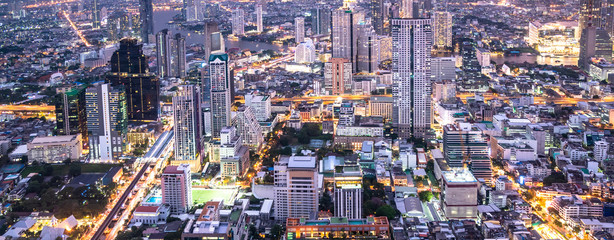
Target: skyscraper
<point x="407" y="9"/>
<point x="107" y="121"/>
<point x="177" y="56"/>
<point x="305" y="52"/>
<point x="296" y="187"/>
<point x="259" y="26"/>
<point x="442" y="29"/>
<point x="594" y="43"/>
<point x="95" y="14"/>
<point x="217" y="43"/>
<point x="590" y="14"/>
<point x="70" y="113"/>
<point x="377" y="16"/>
<point x="186" y="116"/>
<point x="320" y="21"/>
<point x="219" y="76"/>
<point x="464" y="146"/>
<point x="411" y="75"/>
<point x="299" y="29"/>
<point x="146" y="18"/>
<point x="209" y="28"/>
<point x="238" y="22"/>
<point x="338" y="76"/>
<point x="129" y="69"/>
<point x="366" y="49"/>
<point x="348" y="192"/>
<point x="177" y="188"/>
<point x="343" y="34"/>
<point x="163" y="53"/>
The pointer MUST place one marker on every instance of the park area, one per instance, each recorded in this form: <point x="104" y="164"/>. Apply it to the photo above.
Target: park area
<point x="202" y="195"/>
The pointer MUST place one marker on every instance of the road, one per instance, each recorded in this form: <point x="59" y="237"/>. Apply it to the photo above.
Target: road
<point x="100" y="232"/>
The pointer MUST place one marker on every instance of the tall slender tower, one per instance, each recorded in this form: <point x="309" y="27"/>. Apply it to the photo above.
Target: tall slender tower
<point x="377" y="14"/>
<point x="146" y="11"/>
<point x="238" y="22"/>
<point x="177" y="188"/>
<point x="96" y="15"/>
<point x="219" y="76"/>
<point x="107" y="121"/>
<point x="411" y="74"/>
<point x="259" y="26"/>
<point x="186" y="115"/>
<point x="343" y="34"/>
<point x="320" y="23"/>
<point x="178" y="61"/>
<point x="129" y="69"/>
<point x="442" y="29"/>
<point x="299" y="29"/>
<point x="163" y="53"/>
<point x="209" y="28"/>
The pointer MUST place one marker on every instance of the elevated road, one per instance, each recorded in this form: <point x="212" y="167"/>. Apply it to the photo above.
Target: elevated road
<point x="109" y="218"/>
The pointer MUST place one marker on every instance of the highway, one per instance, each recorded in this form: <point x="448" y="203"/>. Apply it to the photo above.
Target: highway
<point x="100" y="232"/>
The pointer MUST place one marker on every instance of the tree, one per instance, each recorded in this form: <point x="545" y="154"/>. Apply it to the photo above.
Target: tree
<point x="425" y="196"/>
<point x="286" y="151"/>
<point x="555" y="177"/>
<point x="276" y="231"/>
<point x="47" y="170"/>
<point x="326" y="202"/>
<point x="386" y="211"/>
<point x="75" y="169"/>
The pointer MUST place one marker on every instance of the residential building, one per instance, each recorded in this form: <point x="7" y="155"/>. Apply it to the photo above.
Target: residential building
<point x="411" y="47"/>
<point x="107" y="122"/>
<point x="219" y="76"/>
<point x="188" y="129"/>
<point x="338" y="76"/>
<point x="238" y="22"/>
<point x="55" y="149"/>
<point x="299" y="30"/>
<point x="442" y="29"/>
<point x="296" y="187"/>
<point x="348" y="191"/>
<point x="177" y="188"/>
<point x="464" y="146"/>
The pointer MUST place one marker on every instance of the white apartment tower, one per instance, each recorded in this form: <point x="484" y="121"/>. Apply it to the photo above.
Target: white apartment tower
<point x="238" y="22"/>
<point x="188" y="131"/>
<point x="259" y="26"/>
<point x="299" y="28"/>
<point x="411" y="74"/>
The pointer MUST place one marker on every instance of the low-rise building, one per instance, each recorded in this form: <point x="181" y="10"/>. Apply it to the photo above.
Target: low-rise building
<point x="342" y="228"/>
<point x="55" y="149"/>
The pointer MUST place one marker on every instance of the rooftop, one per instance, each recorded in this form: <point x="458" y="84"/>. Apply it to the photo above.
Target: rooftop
<point x="54" y="139"/>
<point x="302" y="162"/>
<point x="458" y="176"/>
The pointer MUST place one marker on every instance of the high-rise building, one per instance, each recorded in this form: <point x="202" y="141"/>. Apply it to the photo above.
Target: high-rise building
<point x="411" y="73"/>
<point x="107" y="121"/>
<point x="188" y="132"/>
<point x="129" y="69"/>
<point x="366" y="49"/>
<point x="177" y="188"/>
<point x="594" y="43"/>
<point x="71" y="118"/>
<point x="459" y="195"/>
<point x="296" y="187"/>
<point x="238" y="22"/>
<point x="600" y="150"/>
<point x="234" y="156"/>
<point x="178" y="56"/>
<point x="163" y="53"/>
<point x="348" y="192"/>
<point x="442" y="29"/>
<point x="259" y="26"/>
<point x="248" y="127"/>
<point x="95" y="14"/>
<point x="377" y="16"/>
<point x="305" y="52"/>
<point x="589" y="14"/>
<point x="464" y="146"/>
<point x="209" y="28"/>
<point x="119" y="25"/>
<point x="338" y="76"/>
<point x="299" y="29"/>
<point x="219" y="76"/>
<point x="407" y="9"/>
<point x="146" y="19"/>
<point x="261" y="105"/>
<point x="443" y="68"/>
<point x="343" y="34"/>
<point x="217" y="43"/>
<point x="320" y="21"/>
